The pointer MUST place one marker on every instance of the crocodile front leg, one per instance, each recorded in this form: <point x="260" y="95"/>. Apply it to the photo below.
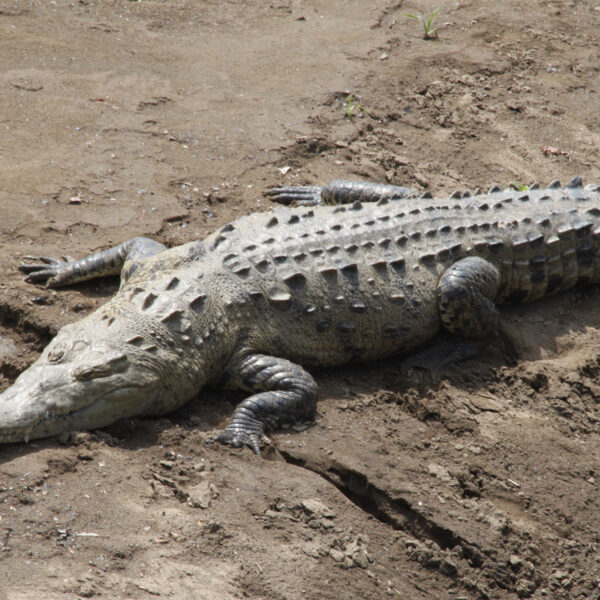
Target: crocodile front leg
<point x="284" y="394"/>
<point x="58" y="272"/>
<point x="337" y="192"/>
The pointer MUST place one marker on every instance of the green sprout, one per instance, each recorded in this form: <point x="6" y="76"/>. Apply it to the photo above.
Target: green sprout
<point x="353" y="106"/>
<point x="520" y="188"/>
<point x="429" y="32"/>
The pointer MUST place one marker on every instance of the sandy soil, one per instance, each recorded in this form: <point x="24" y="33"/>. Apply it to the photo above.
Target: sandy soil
<point x="169" y="119"/>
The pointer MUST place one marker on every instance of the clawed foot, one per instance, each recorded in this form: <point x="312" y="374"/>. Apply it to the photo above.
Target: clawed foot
<point x="309" y="195"/>
<point x="238" y="437"/>
<point x="46" y="271"/>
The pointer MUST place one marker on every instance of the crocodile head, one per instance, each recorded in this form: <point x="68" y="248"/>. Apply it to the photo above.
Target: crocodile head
<point x="83" y="381"/>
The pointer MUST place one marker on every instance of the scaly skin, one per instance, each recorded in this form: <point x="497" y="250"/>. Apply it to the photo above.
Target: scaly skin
<point x="337" y="192"/>
<point x="316" y="286"/>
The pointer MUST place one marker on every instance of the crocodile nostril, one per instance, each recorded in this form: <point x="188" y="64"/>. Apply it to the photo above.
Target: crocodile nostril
<point x="55" y="355"/>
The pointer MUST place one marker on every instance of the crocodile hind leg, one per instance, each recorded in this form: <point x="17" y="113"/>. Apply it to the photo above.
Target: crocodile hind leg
<point x="283" y="393"/>
<point x="465" y="295"/>
<point x="337" y="192"/>
<point x="123" y="259"/>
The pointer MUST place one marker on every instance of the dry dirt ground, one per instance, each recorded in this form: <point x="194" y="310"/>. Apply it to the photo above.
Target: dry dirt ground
<point x="169" y="119"/>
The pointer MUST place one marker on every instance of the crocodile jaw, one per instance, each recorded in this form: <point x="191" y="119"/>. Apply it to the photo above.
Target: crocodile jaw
<point x="47" y="400"/>
<point x="95" y="372"/>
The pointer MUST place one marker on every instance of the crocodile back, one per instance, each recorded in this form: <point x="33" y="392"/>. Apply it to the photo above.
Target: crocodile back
<point x="334" y="283"/>
<point x="330" y="284"/>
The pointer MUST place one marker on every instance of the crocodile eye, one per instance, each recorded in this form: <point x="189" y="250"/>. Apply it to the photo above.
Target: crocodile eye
<point x="86" y="373"/>
<point x="110" y="366"/>
<point x="55" y="355"/>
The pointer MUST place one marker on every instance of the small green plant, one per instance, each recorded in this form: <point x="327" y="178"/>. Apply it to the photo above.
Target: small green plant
<point x="520" y="188"/>
<point x="353" y="105"/>
<point x="429" y="32"/>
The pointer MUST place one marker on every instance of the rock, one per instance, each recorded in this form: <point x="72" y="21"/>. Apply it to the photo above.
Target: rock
<point x="357" y="555"/>
<point x="515" y="561"/>
<point x="86" y="590"/>
<point x="316" y="508"/>
<point x="525" y="587"/>
<point x="202" y="495"/>
<point x="447" y="567"/>
<point x="560" y="391"/>
<point x="484" y="403"/>
<point x="161" y="490"/>
<point x="515" y="106"/>
<point x="439" y="471"/>
<point x="336" y="554"/>
<point x="361" y="559"/>
<point x="312" y="551"/>
<point x="213" y="527"/>
<point x="85" y="456"/>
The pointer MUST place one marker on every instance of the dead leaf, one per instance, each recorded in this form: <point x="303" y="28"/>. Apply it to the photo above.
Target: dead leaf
<point x="553" y="150"/>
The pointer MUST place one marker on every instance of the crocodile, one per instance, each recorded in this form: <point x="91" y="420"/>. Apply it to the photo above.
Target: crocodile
<point x="366" y="271"/>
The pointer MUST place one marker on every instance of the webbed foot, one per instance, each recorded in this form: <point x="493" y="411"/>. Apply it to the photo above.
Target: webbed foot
<point x="285" y="394"/>
<point x="47" y="271"/>
<point x="309" y="195"/>
<point x="238" y="436"/>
